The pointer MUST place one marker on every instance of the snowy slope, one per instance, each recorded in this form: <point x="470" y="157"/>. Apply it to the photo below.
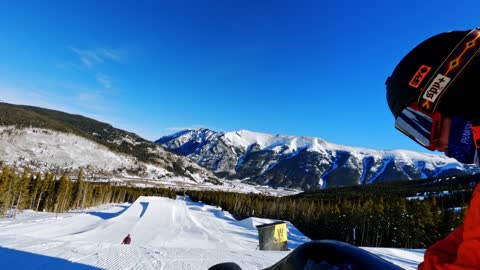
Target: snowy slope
<point x="244" y="139"/>
<point x="302" y="162"/>
<point x="60" y="149"/>
<point x="47" y="150"/>
<point x="166" y="234"/>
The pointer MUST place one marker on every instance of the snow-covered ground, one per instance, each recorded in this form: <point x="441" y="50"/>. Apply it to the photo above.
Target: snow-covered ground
<point x="60" y="149"/>
<point x="166" y="234"/>
<point x="69" y="152"/>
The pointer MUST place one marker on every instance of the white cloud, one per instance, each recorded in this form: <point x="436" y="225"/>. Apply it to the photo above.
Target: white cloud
<point x="93" y="57"/>
<point x="111" y="54"/>
<point x="96" y="56"/>
<point x="104" y="80"/>
<point x="86" y="98"/>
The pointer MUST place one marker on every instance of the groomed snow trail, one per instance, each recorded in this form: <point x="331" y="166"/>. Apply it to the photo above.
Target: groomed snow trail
<point x="166" y="234"/>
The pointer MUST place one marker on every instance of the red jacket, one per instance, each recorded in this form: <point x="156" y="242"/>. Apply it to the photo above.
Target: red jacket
<point x="127" y="240"/>
<point x="460" y="250"/>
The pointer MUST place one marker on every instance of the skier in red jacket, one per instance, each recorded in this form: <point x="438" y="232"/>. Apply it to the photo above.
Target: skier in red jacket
<point x="433" y="95"/>
<point x="127" y="240"/>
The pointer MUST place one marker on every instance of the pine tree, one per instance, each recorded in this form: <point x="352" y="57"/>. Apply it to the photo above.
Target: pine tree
<point x="35" y="187"/>
<point x="22" y="191"/>
<point x="78" y="190"/>
<point x="62" y="192"/>
<point x="43" y="201"/>
<point x="5" y="180"/>
<point x="7" y="186"/>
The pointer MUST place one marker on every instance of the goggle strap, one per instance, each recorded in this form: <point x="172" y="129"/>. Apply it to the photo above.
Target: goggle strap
<point x="449" y="70"/>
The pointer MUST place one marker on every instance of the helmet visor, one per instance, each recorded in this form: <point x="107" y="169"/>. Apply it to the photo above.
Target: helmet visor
<point x="420" y="126"/>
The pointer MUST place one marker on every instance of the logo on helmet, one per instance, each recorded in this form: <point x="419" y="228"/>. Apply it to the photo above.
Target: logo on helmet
<point x="436" y="88"/>
<point x="419" y="76"/>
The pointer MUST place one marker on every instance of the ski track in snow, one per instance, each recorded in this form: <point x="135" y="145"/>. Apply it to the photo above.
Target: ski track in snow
<point x="166" y="234"/>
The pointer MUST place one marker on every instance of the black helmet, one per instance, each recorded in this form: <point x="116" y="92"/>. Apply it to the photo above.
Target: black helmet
<point x="404" y="87"/>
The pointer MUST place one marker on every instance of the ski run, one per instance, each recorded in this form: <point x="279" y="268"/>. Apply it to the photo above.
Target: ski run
<point x="166" y="234"/>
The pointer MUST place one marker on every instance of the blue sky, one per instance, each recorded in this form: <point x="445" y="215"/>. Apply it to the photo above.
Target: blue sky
<point x="306" y="68"/>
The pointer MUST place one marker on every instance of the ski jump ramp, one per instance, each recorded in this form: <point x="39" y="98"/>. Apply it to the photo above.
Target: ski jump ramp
<point x="162" y="222"/>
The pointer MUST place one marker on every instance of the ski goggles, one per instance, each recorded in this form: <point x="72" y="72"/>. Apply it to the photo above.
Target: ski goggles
<point x="420" y="126"/>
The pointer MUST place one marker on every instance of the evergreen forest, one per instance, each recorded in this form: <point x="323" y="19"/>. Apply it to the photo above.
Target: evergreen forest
<point x="58" y="193"/>
<point x="402" y="214"/>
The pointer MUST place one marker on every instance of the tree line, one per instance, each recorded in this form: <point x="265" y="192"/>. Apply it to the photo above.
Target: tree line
<point x="378" y="215"/>
<point x="59" y="193"/>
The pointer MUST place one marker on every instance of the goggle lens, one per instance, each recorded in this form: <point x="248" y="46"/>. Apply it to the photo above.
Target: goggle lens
<point x="420" y="126"/>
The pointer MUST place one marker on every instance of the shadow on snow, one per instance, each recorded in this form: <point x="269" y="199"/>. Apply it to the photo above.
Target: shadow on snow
<point x="144" y="208"/>
<point x="104" y="215"/>
<point x="15" y="259"/>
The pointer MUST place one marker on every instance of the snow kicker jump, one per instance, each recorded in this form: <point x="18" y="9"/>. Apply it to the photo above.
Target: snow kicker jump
<point x="163" y="222"/>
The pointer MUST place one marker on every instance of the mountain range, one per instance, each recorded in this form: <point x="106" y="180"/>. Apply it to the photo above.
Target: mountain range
<point x="45" y="139"/>
<point x="302" y="162"/>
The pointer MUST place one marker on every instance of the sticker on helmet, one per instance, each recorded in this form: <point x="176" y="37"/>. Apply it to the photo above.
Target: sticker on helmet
<point x="436" y="87"/>
<point x="419" y="76"/>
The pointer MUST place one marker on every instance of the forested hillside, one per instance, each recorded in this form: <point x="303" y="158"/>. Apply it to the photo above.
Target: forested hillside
<point x="380" y="215"/>
<point x="45" y="191"/>
<point x="16" y="119"/>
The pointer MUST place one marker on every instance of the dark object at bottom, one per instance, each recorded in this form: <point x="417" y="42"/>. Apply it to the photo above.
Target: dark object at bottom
<point x="225" y="266"/>
<point x="329" y="254"/>
<point x="324" y="255"/>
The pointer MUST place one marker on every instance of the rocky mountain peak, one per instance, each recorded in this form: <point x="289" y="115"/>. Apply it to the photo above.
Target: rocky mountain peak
<point x="302" y="162"/>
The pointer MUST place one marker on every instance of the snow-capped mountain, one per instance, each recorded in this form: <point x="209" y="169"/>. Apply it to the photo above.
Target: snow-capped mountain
<point x="48" y="140"/>
<point x="304" y="162"/>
